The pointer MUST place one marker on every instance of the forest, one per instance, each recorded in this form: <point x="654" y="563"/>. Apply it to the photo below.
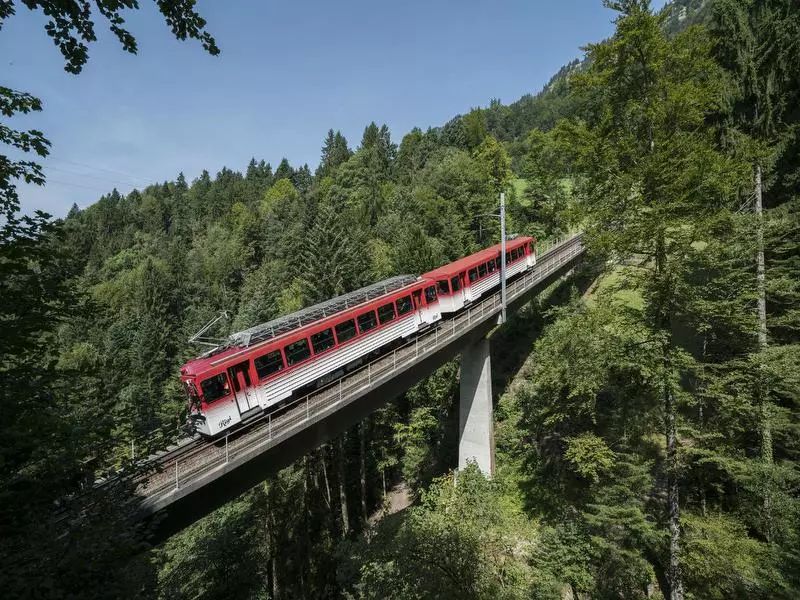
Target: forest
<point x="646" y="408"/>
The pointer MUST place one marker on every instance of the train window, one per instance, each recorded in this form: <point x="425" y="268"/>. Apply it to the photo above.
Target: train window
<point x="270" y="363"/>
<point x="481" y="270"/>
<point x="297" y="352"/>
<point x="386" y="313"/>
<point x="455" y="283"/>
<point x="367" y="321"/>
<point x="403" y="305"/>
<point x="322" y="341"/>
<point x="473" y="274"/>
<point x="491" y="266"/>
<point x="430" y="294"/>
<point x="498" y="262"/>
<point x="443" y="287"/>
<point x="508" y="257"/>
<point x="215" y="387"/>
<point x="516" y="253"/>
<point x="530" y="248"/>
<point x="346" y="330"/>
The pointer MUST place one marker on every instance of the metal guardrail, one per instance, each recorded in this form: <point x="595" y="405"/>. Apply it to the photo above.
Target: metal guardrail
<point x="272" y="428"/>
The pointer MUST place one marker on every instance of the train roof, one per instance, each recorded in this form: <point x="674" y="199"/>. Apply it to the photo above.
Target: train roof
<point x="297" y="320"/>
<point x="482" y="256"/>
<point x="312" y="314"/>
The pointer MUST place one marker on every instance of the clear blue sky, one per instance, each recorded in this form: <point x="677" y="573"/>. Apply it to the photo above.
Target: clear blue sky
<point x="287" y="73"/>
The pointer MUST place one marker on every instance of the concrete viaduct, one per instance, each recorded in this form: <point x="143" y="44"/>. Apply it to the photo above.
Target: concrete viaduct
<point x="198" y="476"/>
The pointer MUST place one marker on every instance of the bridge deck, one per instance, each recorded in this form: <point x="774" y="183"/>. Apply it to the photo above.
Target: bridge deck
<point x="202" y="464"/>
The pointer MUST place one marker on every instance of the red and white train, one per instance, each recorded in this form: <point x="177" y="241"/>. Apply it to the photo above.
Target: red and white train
<point x="262" y="367"/>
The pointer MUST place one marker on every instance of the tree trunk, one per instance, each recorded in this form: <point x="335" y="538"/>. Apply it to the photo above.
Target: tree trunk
<point x="670" y="429"/>
<point x="762" y="391"/>
<point x="362" y="435"/>
<point x="702" y="423"/>
<point x="673" y="504"/>
<point x="340" y="460"/>
<point x="766" y="427"/>
<point x="306" y="566"/>
<point x="325" y="477"/>
<point x="270" y="529"/>
<point x="766" y="430"/>
<point x="276" y="590"/>
<point x="267" y="538"/>
<point x="760" y="268"/>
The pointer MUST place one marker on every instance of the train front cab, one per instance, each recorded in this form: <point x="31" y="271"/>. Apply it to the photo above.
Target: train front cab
<point x="215" y="406"/>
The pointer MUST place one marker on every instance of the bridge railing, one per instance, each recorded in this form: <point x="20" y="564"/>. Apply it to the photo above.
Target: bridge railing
<point x="271" y="428"/>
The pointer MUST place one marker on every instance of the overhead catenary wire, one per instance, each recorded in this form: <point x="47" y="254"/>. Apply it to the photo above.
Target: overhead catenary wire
<point x="79" y="185"/>
<point x="97" y="168"/>
<point x="116" y="182"/>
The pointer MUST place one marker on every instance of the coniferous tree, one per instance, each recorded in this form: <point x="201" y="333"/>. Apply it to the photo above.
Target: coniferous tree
<point x="334" y="153"/>
<point x="407" y="162"/>
<point x="332" y="261"/>
<point x="759" y="42"/>
<point x="475" y="127"/>
<point x="302" y="179"/>
<point x="454" y="133"/>
<point x="284" y="170"/>
<point x="371" y="136"/>
<point x="647" y="101"/>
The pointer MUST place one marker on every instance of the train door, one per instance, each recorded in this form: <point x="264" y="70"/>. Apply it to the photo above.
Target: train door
<point x="245" y="395"/>
<point x="462" y="280"/>
<point x="417" y="297"/>
<point x="457" y="287"/>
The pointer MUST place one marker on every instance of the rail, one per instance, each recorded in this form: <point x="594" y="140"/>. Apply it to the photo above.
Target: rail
<point x="270" y="429"/>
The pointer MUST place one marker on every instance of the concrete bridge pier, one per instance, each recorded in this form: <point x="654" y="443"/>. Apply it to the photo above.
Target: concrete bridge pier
<point x="476" y="429"/>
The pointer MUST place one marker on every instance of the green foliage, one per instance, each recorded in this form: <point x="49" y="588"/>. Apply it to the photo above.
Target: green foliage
<point x="212" y="544"/>
<point x="589" y="455"/>
<point x="462" y="541"/>
<point x="475" y="127"/>
<point x="334" y="152"/>
<point x="72" y="28"/>
<point x="723" y="561"/>
<point x="495" y="163"/>
<point x="331" y="257"/>
<point x="757" y="41"/>
<point x="590" y="471"/>
<point x="546" y="196"/>
<point x="13" y="102"/>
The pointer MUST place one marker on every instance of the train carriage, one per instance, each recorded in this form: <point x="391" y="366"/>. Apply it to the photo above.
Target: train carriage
<point x="465" y="280"/>
<point x="264" y="365"/>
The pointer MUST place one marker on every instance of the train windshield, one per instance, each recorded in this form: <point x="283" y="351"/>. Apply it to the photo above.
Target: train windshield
<point x="215" y="387"/>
